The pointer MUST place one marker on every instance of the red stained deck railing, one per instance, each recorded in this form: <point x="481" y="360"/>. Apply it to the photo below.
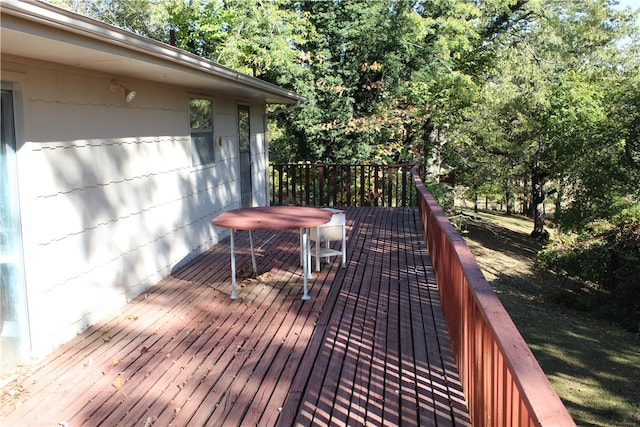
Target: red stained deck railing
<point x="502" y="380"/>
<point x="319" y="184"/>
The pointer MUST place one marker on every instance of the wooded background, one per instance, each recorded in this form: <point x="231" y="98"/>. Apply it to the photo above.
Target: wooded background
<point x="522" y="101"/>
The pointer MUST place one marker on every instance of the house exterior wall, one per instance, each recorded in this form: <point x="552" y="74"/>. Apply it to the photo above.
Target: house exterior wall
<point x="110" y="202"/>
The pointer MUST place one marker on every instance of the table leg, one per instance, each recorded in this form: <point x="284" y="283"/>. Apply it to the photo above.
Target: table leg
<point x="234" y="294"/>
<point x="253" y="255"/>
<point x="309" y="273"/>
<point x="305" y="262"/>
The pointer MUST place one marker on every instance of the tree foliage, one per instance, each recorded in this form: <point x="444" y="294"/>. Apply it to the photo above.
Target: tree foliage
<point x="549" y="109"/>
<point x="143" y="17"/>
<point x="518" y="99"/>
<point x="528" y="97"/>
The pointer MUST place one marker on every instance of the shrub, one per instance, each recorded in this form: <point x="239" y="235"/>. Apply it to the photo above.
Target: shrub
<point x="606" y="253"/>
<point x="443" y="193"/>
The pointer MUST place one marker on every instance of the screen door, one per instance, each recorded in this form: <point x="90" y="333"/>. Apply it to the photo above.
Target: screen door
<point x="14" y="333"/>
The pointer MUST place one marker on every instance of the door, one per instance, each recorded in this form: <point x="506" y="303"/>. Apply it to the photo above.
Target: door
<point x="244" y="136"/>
<point x="14" y="338"/>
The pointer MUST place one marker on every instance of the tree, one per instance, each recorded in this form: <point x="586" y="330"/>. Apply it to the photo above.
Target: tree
<point x="356" y="57"/>
<point x="143" y="17"/>
<point x="546" y="103"/>
<point x="538" y="96"/>
<point x="385" y="78"/>
<point x="249" y="36"/>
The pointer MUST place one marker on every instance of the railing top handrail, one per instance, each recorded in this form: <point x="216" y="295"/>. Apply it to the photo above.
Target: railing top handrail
<point x="539" y="395"/>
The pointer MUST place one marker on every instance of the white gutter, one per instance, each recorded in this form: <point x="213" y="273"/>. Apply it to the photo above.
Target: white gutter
<point x="284" y="110"/>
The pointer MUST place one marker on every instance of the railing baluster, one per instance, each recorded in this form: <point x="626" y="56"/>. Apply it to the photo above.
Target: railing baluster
<point x="348" y="201"/>
<point x="404" y="186"/>
<point x="362" y="185"/>
<point x="378" y="190"/>
<point x="273" y="171"/>
<point x="314" y="185"/>
<point x="321" y="183"/>
<point x="389" y="186"/>
<point x="341" y="185"/>
<point x="294" y="182"/>
<point x="335" y="185"/>
<point x="280" y="183"/>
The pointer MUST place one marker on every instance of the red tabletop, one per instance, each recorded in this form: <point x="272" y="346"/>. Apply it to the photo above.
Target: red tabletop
<point x="272" y="218"/>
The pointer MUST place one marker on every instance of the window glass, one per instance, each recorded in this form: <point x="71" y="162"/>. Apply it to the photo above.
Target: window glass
<point x="244" y="133"/>
<point x="201" y="118"/>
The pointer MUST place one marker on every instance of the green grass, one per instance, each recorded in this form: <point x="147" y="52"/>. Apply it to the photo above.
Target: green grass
<point x="594" y="365"/>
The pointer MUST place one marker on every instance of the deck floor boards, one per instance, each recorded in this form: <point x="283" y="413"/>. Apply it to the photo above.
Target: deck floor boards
<point x="369" y="348"/>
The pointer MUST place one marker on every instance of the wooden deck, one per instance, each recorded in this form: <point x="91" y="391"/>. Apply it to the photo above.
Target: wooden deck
<point x="369" y="348"/>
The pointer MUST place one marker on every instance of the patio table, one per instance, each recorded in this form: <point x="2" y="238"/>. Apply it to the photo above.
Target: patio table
<point x="272" y="218"/>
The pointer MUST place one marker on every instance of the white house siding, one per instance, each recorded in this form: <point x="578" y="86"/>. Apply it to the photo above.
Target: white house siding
<point x="110" y="202"/>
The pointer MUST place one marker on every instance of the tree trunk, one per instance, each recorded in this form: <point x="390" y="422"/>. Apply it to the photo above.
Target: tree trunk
<point x="537" y="205"/>
<point x="525" y="199"/>
<point x="560" y="196"/>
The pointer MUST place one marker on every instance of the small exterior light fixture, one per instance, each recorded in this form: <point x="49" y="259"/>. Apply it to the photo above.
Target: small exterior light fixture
<point x="128" y="93"/>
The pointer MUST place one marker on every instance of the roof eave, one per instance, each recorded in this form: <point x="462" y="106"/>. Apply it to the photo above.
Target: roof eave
<point x="162" y="54"/>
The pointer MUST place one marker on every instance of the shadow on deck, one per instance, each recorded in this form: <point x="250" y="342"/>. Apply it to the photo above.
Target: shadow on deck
<point x="369" y="348"/>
